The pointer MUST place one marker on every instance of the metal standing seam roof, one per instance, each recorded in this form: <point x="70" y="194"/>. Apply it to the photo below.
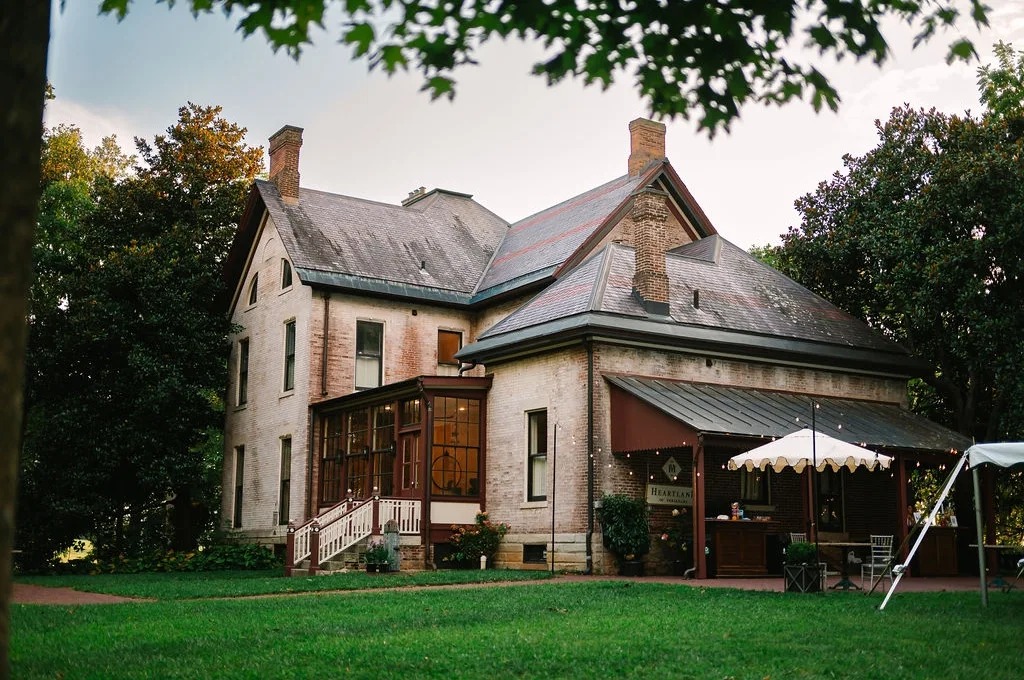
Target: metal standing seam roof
<point x="748" y="412"/>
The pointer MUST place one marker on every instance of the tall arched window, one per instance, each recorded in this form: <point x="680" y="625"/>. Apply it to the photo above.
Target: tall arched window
<point x="286" y="274"/>
<point x="253" y="288"/>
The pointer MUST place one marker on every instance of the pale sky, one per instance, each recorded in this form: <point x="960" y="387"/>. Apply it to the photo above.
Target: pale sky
<point x="516" y="144"/>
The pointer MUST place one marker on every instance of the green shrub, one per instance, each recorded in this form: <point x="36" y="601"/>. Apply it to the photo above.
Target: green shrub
<point x="624" y="525"/>
<point x="233" y="556"/>
<point x="483" y="538"/>
<point x="801" y="553"/>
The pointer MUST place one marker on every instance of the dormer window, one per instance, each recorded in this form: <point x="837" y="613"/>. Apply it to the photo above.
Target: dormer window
<point x="253" y="288"/>
<point x="286" y="274"/>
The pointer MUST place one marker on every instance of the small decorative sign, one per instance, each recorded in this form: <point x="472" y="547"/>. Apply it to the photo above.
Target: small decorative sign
<point x="665" y="494"/>
<point x="671" y="469"/>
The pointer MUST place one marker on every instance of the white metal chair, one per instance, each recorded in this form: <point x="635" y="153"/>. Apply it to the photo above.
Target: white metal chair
<point x="879" y="564"/>
<point x="1020" y="572"/>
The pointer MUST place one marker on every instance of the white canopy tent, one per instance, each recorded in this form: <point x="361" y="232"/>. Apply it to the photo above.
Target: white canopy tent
<point x="1005" y="455"/>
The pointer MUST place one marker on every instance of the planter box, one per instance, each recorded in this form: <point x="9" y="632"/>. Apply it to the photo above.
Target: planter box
<point x="631" y="568"/>
<point x="802" y="578"/>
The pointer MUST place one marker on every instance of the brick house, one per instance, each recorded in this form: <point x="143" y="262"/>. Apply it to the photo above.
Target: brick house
<point x="429" y="360"/>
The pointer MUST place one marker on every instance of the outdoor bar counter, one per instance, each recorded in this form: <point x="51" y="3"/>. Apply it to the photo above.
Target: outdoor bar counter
<point x="739" y="546"/>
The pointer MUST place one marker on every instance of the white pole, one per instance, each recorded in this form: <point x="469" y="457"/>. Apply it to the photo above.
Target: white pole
<point x="981" y="537"/>
<point x="900" y="568"/>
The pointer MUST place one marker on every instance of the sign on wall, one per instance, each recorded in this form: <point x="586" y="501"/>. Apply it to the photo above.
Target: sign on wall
<point x="665" y="494"/>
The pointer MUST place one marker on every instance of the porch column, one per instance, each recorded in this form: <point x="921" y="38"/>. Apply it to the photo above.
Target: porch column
<point x="901" y="505"/>
<point x="289" y="550"/>
<point x="699" y="528"/>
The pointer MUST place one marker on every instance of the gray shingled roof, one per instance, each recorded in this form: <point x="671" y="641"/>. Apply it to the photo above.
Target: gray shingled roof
<point x="441" y="242"/>
<point x="539" y="243"/>
<point x="736" y="411"/>
<point x="737" y="293"/>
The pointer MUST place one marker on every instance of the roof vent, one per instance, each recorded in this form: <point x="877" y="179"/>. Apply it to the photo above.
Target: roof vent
<point x="414" y="195"/>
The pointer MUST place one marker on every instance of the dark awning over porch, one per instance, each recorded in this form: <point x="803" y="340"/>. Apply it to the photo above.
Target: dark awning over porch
<point x="744" y="412"/>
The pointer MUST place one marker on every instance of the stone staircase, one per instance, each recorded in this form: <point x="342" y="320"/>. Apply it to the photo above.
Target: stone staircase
<point x="350" y="559"/>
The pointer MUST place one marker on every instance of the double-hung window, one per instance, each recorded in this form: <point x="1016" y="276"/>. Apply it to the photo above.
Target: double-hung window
<point x="369" y="352"/>
<point x="536" y="455"/>
<point x="289" y="356"/>
<point x="284" y="499"/>
<point x="243" y="371"/>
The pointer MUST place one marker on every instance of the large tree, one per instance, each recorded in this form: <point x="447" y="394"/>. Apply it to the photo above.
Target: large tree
<point x="126" y="350"/>
<point x="686" y="56"/>
<point x="923" y="238"/>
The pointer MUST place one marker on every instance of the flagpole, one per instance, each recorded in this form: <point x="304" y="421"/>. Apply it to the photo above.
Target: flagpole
<point x="814" y="471"/>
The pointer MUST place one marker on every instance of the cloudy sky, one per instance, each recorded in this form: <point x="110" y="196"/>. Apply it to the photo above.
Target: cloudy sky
<point x="517" y="145"/>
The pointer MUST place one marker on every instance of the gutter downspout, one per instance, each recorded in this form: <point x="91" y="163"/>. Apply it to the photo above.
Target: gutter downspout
<point x="323" y="350"/>
<point x="310" y="513"/>
<point x="590" y="459"/>
<point x="466" y="366"/>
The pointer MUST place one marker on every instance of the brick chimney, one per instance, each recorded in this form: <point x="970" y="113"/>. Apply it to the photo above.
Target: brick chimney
<point x="646" y="144"/>
<point x="650" y="241"/>
<point x="284" y="162"/>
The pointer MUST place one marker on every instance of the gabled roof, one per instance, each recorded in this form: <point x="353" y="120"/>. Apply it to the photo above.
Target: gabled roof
<point x="435" y="248"/>
<point x="743" y="306"/>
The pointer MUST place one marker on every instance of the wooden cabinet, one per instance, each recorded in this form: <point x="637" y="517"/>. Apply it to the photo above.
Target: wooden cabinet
<point x="937" y="554"/>
<point x="738" y="547"/>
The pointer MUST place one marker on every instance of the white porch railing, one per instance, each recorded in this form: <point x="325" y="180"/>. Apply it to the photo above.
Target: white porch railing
<point x="347" y="523"/>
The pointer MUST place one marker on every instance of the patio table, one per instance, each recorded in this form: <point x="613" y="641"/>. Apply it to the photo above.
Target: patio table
<point x="844" y="581"/>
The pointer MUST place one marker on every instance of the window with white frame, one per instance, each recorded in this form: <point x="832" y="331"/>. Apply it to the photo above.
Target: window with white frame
<point x="448" y="343"/>
<point x="369" y="354"/>
<point x="289" y="355"/>
<point x="536" y="455"/>
<point x="243" y="372"/>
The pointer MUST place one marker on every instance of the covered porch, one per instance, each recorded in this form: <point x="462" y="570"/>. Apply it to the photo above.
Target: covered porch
<point x="700" y="426"/>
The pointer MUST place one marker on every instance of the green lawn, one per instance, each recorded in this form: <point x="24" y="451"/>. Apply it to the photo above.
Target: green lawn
<point x="550" y="629"/>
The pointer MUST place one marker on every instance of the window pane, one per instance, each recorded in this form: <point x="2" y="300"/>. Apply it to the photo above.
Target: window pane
<point x="448" y="343"/>
<point x="254" y="288"/>
<point x="286" y="481"/>
<point x="239" y="483"/>
<point x="369" y="347"/>
<point x="538" y="475"/>
<point x="243" y="371"/>
<point x="536" y="455"/>
<point x="455" y="456"/>
<point x="286" y="274"/>
<point x="289" y="355"/>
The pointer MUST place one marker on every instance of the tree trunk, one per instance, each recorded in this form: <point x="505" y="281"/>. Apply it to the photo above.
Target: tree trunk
<point x="25" y="35"/>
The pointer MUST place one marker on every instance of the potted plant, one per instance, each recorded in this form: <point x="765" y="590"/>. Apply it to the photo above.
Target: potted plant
<point x="676" y="540"/>
<point x="801" y="572"/>
<point x="625" y="531"/>
<point x="378" y="558"/>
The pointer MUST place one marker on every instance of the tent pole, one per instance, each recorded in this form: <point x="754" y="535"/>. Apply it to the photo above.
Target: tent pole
<point x="814" y="496"/>
<point x="981" y="537"/>
<point x="929" y="521"/>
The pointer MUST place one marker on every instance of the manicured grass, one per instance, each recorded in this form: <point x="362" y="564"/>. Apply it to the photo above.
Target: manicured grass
<point x="553" y="629"/>
<point x="177" y="586"/>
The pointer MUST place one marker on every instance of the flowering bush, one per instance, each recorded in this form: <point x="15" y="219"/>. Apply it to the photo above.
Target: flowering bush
<point x="482" y="538"/>
<point x="676" y="536"/>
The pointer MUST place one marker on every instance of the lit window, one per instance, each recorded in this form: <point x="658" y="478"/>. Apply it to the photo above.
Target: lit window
<point x="369" y="348"/>
<point x="537" y="456"/>
<point x="284" y="500"/>
<point x="243" y="371"/>
<point x="286" y="274"/>
<point x="448" y="343"/>
<point x="289" y="356"/>
<point x="254" y="288"/>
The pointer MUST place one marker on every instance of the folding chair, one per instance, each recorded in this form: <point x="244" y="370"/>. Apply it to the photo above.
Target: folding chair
<point x="881" y="557"/>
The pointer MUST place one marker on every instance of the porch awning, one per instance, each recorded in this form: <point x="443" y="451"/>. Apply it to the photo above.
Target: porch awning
<point x="744" y="412"/>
